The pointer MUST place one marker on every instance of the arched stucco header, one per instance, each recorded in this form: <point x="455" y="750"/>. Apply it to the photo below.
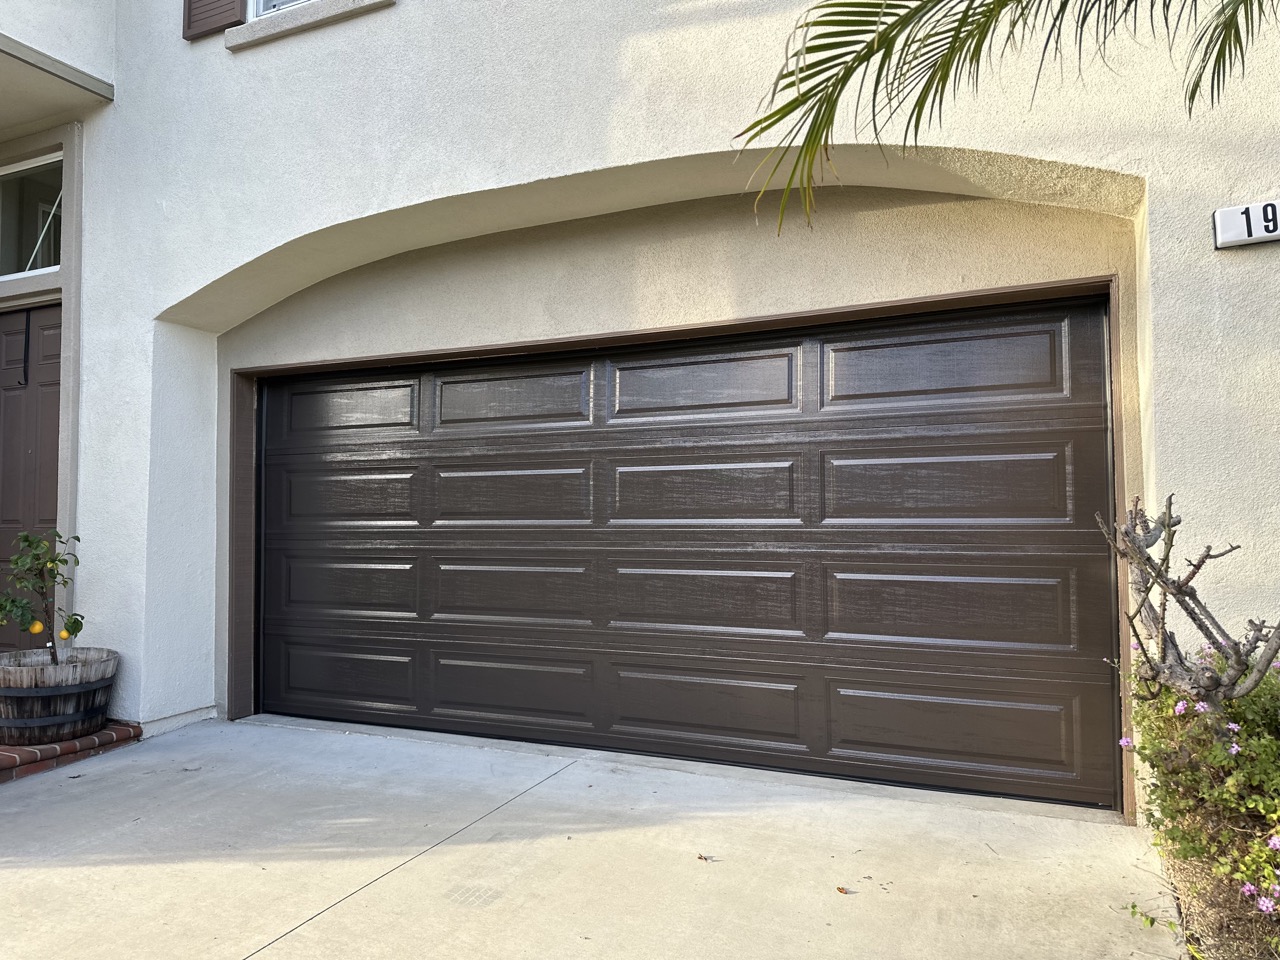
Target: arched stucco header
<point x="275" y="274"/>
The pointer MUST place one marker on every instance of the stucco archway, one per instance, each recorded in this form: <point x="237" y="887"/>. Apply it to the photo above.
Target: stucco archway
<point x="293" y="266"/>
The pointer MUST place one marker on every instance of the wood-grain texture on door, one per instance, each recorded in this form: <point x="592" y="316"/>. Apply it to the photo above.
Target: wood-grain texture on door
<point x="866" y="550"/>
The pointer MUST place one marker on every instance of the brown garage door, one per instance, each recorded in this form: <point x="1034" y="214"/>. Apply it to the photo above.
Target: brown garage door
<point x="866" y="550"/>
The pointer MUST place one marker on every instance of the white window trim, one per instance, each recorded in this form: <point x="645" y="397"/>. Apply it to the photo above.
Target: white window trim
<point x="296" y="18"/>
<point x="30" y="273"/>
<point x="43" y="160"/>
<point x="258" y="11"/>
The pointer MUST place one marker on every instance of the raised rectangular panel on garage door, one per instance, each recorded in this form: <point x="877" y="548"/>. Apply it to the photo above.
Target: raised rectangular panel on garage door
<point x="730" y="708"/>
<point x="510" y="491"/>
<point x="374" y="494"/>
<point x="320" y="584"/>
<point x="343" y="411"/>
<point x="747" y="486"/>
<point x="971" y="728"/>
<point x="331" y="674"/>
<point x="539" y="691"/>
<point x="694" y="387"/>
<point x="714" y="594"/>
<point x="949" y="483"/>
<point x="542" y="590"/>
<point x="979" y="603"/>
<point x="514" y="399"/>
<point x="1032" y="360"/>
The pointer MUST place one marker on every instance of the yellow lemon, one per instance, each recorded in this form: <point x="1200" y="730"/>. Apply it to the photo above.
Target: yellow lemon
<point x="36" y="627"/>
<point x="64" y="635"/>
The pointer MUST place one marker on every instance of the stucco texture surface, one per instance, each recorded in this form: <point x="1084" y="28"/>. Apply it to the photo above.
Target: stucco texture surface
<point x="437" y="120"/>
<point x="79" y="32"/>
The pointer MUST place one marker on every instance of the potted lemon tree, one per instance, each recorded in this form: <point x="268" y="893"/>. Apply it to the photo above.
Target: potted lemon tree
<point x="49" y="695"/>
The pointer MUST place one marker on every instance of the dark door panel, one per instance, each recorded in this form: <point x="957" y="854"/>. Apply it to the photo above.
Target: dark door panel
<point x="869" y="551"/>
<point x="30" y="373"/>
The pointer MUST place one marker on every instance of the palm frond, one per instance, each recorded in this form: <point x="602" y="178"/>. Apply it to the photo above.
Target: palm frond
<point x="1218" y="50"/>
<point x="904" y="58"/>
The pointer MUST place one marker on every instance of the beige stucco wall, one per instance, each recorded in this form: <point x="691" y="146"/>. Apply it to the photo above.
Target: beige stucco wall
<point x="81" y="33"/>
<point x="218" y="183"/>
<point x="678" y="265"/>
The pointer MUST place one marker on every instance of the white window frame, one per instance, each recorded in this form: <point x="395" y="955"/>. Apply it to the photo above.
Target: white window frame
<point x="41" y="161"/>
<point x="264" y="8"/>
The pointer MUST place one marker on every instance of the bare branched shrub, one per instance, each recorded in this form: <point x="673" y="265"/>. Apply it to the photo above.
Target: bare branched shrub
<point x="1161" y="659"/>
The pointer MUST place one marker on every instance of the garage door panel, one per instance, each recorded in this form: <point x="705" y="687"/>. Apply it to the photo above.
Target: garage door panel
<point x="866" y="550"/>
<point x="537" y="690"/>
<point x="958" y="728"/>
<point x="1044" y="479"/>
<point x="725" y="597"/>
<point x="316" y="585"/>
<point x="345" y="411"/>
<point x="368" y="495"/>
<point x="983" y="362"/>
<point x="718" y="384"/>
<point x="555" y="591"/>
<point x="765" y="439"/>
<point x="334" y="673"/>
<point x="1036" y="358"/>
<point x="513" y="399"/>
<point x="720" y="706"/>
<point x="1025" y="483"/>
<point x="1004" y="729"/>
<point x="991" y="606"/>
<point x="742" y="486"/>
<point x="511" y="491"/>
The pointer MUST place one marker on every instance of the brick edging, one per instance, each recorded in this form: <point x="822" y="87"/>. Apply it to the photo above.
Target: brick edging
<point x="18" y="762"/>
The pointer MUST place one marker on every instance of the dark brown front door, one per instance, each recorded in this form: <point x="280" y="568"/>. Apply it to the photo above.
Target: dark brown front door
<point x="30" y="366"/>
<point x="866" y="550"/>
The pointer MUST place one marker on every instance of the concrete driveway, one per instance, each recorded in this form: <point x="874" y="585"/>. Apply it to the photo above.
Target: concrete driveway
<point x="288" y="839"/>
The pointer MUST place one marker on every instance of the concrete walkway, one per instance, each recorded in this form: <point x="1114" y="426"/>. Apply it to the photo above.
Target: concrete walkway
<point x="293" y="840"/>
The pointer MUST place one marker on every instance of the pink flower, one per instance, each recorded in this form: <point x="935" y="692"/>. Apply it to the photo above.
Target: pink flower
<point x="1266" y="905"/>
<point x="1233" y="727"/>
<point x="1274" y="843"/>
<point x="1248" y="889"/>
<point x="1135" y="645"/>
<point x="1275" y="890"/>
<point x="1202" y="707"/>
<point x="1233" y="749"/>
<point x="1180" y="708"/>
<point x="1127" y="742"/>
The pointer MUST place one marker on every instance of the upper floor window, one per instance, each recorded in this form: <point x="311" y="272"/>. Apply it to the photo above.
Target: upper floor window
<point x="31" y="215"/>
<point x="263" y="7"/>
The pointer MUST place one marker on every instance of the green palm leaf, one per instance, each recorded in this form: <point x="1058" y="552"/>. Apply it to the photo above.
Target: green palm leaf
<point x="905" y="58"/>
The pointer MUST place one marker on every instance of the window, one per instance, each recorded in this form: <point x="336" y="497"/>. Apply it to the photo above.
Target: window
<point x="263" y="7"/>
<point x="31" y="215"/>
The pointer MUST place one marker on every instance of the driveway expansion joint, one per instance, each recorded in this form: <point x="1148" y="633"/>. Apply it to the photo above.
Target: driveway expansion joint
<point x="382" y="876"/>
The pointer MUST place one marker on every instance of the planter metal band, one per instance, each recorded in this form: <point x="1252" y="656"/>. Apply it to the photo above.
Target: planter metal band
<point x="53" y="721"/>
<point x="37" y="692"/>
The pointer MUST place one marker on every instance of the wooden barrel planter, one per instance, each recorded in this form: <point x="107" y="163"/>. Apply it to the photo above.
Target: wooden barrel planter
<point x="45" y="703"/>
